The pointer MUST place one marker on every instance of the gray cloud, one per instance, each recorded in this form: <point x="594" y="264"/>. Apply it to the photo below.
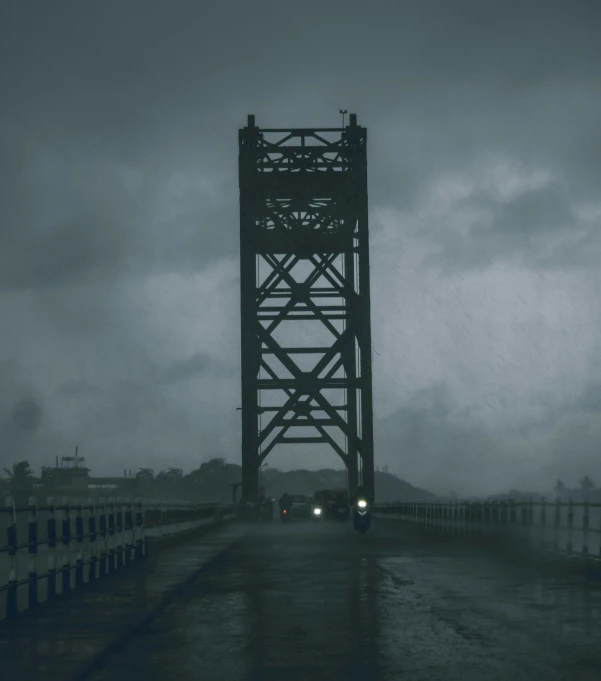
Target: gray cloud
<point x="535" y="213"/>
<point x="191" y="367"/>
<point x="531" y="226"/>
<point x="77" y="388"/>
<point x="436" y="443"/>
<point x="590" y="400"/>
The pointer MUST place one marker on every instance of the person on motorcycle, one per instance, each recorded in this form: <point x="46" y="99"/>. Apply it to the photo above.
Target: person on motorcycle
<point x="284" y="501"/>
<point x="360" y="494"/>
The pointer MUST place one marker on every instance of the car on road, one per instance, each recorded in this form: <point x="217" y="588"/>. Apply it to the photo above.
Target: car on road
<point x="318" y="508"/>
<point x="299" y="507"/>
<point x="333" y="502"/>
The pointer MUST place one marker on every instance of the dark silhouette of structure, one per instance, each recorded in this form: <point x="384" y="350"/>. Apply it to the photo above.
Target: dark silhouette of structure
<point x="304" y="257"/>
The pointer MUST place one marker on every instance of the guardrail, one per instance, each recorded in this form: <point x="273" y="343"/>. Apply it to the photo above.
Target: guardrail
<point x="82" y="541"/>
<point x="567" y="528"/>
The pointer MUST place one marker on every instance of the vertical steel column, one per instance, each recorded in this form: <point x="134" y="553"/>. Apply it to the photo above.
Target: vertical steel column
<point x="358" y="141"/>
<point x="350" y="367"/>
<point x="249" y="346"/>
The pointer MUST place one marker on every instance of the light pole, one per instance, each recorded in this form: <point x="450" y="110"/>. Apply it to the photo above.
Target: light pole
<point x="261" y="467"/>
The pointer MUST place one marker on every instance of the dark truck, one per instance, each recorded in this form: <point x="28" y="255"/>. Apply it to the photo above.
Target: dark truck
<point x="333" y="502"/>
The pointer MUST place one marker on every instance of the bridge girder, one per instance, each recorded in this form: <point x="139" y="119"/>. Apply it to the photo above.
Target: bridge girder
<point x="304" y="242"/>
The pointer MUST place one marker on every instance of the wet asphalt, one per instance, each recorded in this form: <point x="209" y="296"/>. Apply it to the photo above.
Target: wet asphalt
<point x="320" y="602"/>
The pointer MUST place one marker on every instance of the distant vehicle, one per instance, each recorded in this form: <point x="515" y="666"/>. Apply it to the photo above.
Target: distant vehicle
<point x="333" y="502"/>
<point x="300" y="506"/>
<point x="318" y="507"/>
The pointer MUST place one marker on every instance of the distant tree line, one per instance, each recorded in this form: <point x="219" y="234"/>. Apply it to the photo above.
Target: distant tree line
<point x="19" y="481"/>
<point x="211" y="481"/>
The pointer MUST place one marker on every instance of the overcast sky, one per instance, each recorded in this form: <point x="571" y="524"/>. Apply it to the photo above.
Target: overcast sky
<point x="119" y="289"/>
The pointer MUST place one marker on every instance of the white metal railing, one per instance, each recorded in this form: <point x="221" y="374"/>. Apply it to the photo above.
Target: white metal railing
<point x="568" y="528"/>
<point x="54" y="547"/>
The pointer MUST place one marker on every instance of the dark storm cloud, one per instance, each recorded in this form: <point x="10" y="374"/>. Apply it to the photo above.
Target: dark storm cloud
<point x="71" y="222"/>
<point x="431" y="445"/>
<point x="118" y="161"/>
<point x="164" y="85"/>
<point x="199" y="363"/>
<point x="534" y="213"/>
<point x="437" y="444"/>
<point x="590" y="399"/>
<point x="77" y="388"/>
<point x="523" y="226"/>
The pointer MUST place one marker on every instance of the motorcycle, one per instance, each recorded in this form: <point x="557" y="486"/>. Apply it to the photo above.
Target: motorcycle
<point x="361" y="516"/>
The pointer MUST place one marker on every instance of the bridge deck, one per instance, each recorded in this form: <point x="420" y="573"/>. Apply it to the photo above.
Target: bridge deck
<point x="307" y="602"/>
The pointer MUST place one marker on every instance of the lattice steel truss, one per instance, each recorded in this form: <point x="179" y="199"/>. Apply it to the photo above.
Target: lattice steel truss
<point x="304" y="256"/>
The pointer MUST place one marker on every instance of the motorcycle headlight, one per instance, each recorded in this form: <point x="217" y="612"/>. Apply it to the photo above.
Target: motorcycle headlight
<point x="317" y="511"/>
<point x="362" y="503"/>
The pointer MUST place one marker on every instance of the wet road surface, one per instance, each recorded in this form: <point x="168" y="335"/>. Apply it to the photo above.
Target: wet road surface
<point x="319" y="602"/>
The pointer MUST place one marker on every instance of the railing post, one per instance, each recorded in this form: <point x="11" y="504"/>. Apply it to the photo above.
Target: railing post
<point x="585" y="526"/>
<point x="92" y="533"/>
<point x="543" y="525"/>
<point x="102" y="568"/>
<point x="530" y="507"/>
<point x="66" y="535"/>
<point x="119" y="535"/>
<point x="111" y="536"/>
<point x="12" y="608"/>
<point x="52" y="562"/>
<point x="556" y="525"/>
<point x="79" y="540"/>
<point x="129" y="530"/>
<point x="140" y="538"/>
<point x="33" y="552"/>
<point x="570" y="545"/>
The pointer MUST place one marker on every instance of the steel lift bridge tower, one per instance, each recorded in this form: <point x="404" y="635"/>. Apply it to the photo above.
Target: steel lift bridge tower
<point x="304" y="263"/>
